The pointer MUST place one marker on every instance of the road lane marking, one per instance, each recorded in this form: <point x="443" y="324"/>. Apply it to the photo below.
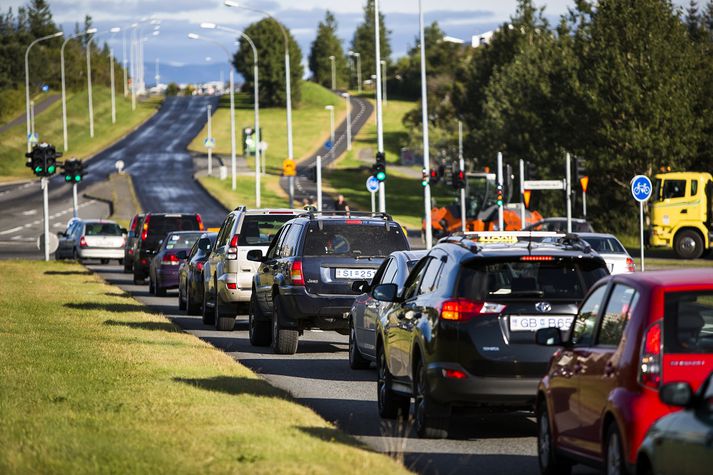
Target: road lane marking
<point x="10" y="231"/>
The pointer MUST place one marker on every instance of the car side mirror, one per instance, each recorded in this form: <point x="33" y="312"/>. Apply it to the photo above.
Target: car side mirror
<point x="182" y="255"/>
<point x="385" y="292"/>
<point x="676" y="394"/>
<point x="550" y="336"/>
<point x="360" y="286"/>
<point x="124" y="231"/>
<point x="255" y="255"/>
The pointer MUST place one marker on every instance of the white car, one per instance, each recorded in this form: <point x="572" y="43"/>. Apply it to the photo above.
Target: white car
<point x="612" y="251"/>
<point x="93" y="239"/>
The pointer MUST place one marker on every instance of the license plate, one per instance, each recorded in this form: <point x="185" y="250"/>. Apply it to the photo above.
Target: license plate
<point x="355" y="273"/>
<point x="524" y="323"/>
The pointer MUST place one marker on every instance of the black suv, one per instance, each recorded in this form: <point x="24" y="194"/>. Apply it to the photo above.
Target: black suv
<point x="151" y="231"/>
<point x="305" y="279"/>
<point x="462" y="333"/>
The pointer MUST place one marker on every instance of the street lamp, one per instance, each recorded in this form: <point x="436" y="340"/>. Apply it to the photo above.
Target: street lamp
<point x="358" y="59"/>
<point x="27" y="88"/>
<point x="64" y="93"/>
<point x="330" y="108"/>
<point x="334" y="73"/>
<point x="424" y="120"/>
<point x="230" y="3"/>
<point x="111" y="73"/>
<point x="383" y="79"/>
<point x="347" y="99"/>
<point x="233" y="162"/>
<point x="256" y="101"/>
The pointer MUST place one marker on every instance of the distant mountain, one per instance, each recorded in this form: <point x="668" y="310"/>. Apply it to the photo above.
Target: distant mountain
<point x="189" y="73"/>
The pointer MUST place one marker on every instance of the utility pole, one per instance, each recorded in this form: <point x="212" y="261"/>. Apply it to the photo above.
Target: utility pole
<point x="89" y="87"/>
<point x="383" y="80"/>
<point x="424" y="120"/>
<point x="334" y="73"/>
<point x="461" y="163"/>
<point x="347" y="98"/>
<point x="113" y="93"/>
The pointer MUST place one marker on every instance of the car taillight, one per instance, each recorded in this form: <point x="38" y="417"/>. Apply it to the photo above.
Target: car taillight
<point x="232" y="252"/>
<point x="145" y="231"/>
<point x="170" y="260"/>
<point x="537" y="258"/>
<point x="650" y="360"/>
<point x="131" y="252"/>
<point x="463" y="309"/>
<point x="354" y="221"/>
<point x="630" y="264"/>
<point x="82" y="242"/>
<point x="199" y="266"/>
<point x="200" y="222"/>
<point x="453" y="374"/>
<point x="296" y="275"/>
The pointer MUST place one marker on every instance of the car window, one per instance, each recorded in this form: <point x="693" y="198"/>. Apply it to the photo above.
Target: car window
<point x="430" y="276"/>
<point x="180" y="241"/>
<point x="414" y="279"/>
<point x="224" y="230"/>
<point x="194" y="249"/>
<point x="619" y="308"/>
<point x="391" y="272"/>
<point x="102" y="229"/>
<point x="694" y="187"/>
<point x="586" y="319"/>
<point x="206" y="244"/>
<point x="357" y="238"/>
<point x="674" y="189"/>
<point x="688" y="322"/>
<point x="160" y="226"/>
<point x="274" y="250"/>
<point x="291" y="242"/>
<point x="606" y="245"/>
<point x="380" y="272"/>
<point x="259" y="230"/>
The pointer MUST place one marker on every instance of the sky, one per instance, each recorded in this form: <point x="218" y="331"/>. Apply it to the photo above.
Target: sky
<point x="458" y="18"/>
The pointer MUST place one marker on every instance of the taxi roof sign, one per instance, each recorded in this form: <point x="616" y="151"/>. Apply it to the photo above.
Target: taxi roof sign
<point x="508" y="237"/>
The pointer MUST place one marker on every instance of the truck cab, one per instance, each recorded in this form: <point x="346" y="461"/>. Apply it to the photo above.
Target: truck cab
<point x="681" y="216"/>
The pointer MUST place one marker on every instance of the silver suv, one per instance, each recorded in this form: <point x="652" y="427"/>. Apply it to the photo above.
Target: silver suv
<point x="228" y="274"/>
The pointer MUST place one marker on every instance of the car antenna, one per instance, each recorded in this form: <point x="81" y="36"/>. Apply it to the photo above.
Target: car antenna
<point x="529" y="244"/>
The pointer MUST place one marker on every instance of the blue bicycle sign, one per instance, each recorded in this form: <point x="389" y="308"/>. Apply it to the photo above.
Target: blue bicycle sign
<point x="641" y="188"/>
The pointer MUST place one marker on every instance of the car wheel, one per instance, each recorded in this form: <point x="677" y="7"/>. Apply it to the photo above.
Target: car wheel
<point x="192" y="308"/>
<point x="120" y="262"/>
<point x="431" y="420"/>
<point x="137" y="280"/>
<point x="160" y="291"/>
<point x="390" y="404"/>
<point x="688" y="245"/>
<point x="356" y="360"/>
<point x="207" y="311"/>
<point x="284" y="341"/>
<point x="222" y="322"/>
<point x="550" y="462"/>
<point x="259" y="328"/>
<point x="152" y="287"/>
<point x="127" y="266"/>
<point x="615" y="463"/>
<point x="181" y="299"/>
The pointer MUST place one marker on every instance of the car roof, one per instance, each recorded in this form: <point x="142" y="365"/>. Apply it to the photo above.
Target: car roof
<point x="410" y="255"/>
<point x="669" y="279"/>
<point x="585" y="235"/>
<point x="102" y="221"/>
<point x="186" y="232"/>
<point x="557" y="218"/>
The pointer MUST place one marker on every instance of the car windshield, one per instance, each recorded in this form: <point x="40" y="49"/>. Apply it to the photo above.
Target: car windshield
<point x="102" y="229"/>
<point x="513" y="278"/>
<point x="181" y="241"/>
<point x="688" y="322"/>
<point x="354" y="238"/>
<point x="159" y="226"/>
<point x="605" y="245"/>
<point x="258" y="230"/>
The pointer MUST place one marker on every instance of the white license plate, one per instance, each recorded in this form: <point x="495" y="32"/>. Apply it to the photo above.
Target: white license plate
<point x="355" y="273"/>
<point x="524" y="323"/>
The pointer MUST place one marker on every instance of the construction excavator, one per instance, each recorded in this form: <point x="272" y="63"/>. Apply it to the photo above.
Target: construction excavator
<point x="481" y="210"/>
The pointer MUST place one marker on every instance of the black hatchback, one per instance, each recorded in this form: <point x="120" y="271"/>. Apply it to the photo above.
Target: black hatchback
<point x="305" y="279"/>
<point x="461" y="334"/>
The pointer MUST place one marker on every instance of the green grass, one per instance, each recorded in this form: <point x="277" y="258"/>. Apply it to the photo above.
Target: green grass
<point x="48" y="125"/>
<point x="271" y="195"/>
<point x="93" y="383"/>
<point x="310" y="125"/>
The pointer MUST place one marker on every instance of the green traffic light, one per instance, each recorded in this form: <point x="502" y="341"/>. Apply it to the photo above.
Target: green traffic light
<point x="424" y="182"/>
<point x="38" y="169"/>
<point x="67" y="178"/>
<point x="51" y="169"/>
<point x="77" y="178"/>
<point x="381" y="176"/>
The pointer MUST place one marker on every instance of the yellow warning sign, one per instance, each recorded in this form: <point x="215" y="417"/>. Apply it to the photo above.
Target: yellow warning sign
<point x="289" y="167"/>
<point x="526" y="197"/>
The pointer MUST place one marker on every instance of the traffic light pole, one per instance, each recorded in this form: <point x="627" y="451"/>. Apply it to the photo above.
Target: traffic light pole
<point x="462" y="168"/>
<point x="501" y="224"/>
<point x="568" y="191"/>
<point x="46" y="210"/>
<point x="74" y="200"/>
<point x="379" y="114"/>
<point x="522" y="194"/>
<point x="319" y="183"/>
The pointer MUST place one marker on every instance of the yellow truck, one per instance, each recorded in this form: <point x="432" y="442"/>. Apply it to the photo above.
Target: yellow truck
<point x="681" y="213"/>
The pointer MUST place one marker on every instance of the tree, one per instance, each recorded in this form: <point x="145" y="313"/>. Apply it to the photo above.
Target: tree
<point x="172" y="89"/>
<point x="269" y="42"/>
<point x="327" y="44"/>
<point x="363" y="41"/>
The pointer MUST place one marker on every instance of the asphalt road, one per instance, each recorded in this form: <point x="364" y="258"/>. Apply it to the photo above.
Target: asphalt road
<point x="154" y="155"/>
<point x="319" y="377"/>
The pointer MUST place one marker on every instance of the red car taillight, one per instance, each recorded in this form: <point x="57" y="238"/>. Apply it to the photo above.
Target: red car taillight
<point x="650" y="360"/>
<point x="145" y="231"/>
<point x="199" y="266"/>
<point x="296" y="275"/>
<point x="200" y="222"/>
<point x="170" y="260"/>
<point x="82" y="242"/>
<point x="232" y="252"/>
<point x="460" y="310"/>
<point x="630" y="264"/>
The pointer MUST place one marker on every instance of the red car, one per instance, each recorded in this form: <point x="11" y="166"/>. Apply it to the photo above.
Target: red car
<point x="633" y="333"/>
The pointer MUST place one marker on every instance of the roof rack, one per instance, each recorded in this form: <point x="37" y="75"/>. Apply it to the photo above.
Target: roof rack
<point x="474" y="240"/>
<point x="240" y="208"/>
<point x="347" y="214"/>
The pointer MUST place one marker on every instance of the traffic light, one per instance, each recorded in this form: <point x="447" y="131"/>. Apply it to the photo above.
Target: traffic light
<point x="433" y="176"/>
<point x="458" y="179"/>
<point x="73" y="171"/>
<point x="425" y="177"/>
<point x="42" y="160"/>
<point x="499" y="199"/>
<point x="580" y="168"/>
<point x="378" y="171"/>
<point x="531" y="171"/>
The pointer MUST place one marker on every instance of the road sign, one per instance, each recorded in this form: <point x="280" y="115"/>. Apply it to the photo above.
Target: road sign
<point x="289" y="167"/>
<point x="33" y="137"/>
<point x="584" y="181"/>
<point x="328" y="144"/>
<point x="641" y="188"/>
<point x="544" y="185"/>
<point x="372" y="184"/>
<point x="119" y="165"/>
<point x="526" y="194"/>
<point x="45" y="87"/>
<point x="209" y="142"/>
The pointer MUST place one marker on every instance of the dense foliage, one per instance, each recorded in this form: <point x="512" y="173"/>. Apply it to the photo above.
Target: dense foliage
<point x="327" y="44"/>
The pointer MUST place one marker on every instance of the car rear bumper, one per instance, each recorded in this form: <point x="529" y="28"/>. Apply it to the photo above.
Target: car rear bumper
<point x="241" y="292"/>
<point x="99" y="253"/>
<point x="479" y="391"/>
<point x="326" y="311"/>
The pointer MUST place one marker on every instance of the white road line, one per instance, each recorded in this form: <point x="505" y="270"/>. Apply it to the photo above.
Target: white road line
<point x="10" y="231"/>
<point x="54" y="216"/>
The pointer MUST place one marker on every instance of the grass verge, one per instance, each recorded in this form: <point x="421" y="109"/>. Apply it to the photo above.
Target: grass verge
<point x="92" y="382"/>
<point x="48" y="125"/>
<point x="271" y="195"/>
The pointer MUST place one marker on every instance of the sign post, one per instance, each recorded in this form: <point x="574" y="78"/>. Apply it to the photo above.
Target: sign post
<point x="319" y="183"/>
<point x="584" y="182"/>
<point x="641" y="190"/>
<point x="289" y="169"/>
<point x="372" y="186"/>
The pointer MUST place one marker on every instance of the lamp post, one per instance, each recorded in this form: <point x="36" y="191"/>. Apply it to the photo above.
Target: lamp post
<point x="330" y="108"/>
<point x="424" y="120"/>
<point x="27" y="82"/>
<point x="112" y="82"/>
<point x="383" y="80"/>
<point x="233" y="160"/>
<point x="231" y="3"/>
<point x="123" y="61"/>
<point x="64" y="92"/>
<point x="379" y="108"/>
<point x="358" y="59"/>
<point x="347" y="100"/>
<point x="256" y="102"/>
<point x="334" y="73"/>
<point x="89" y="88"/>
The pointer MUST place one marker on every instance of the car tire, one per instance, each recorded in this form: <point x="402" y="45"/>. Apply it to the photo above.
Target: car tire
<point x="688" y="244"/>
<point x="222" y="322"/>
<point x="390" y="404"/>
<point x="137" y="280"/>
<point x="431" y="420"/>
<point x="127" y="267"/>
<point x="284" y="340"/>
<point x="614" y="458"/>
<point x="160" y="291"/>
<point x="152" y="287"/>
<point x="181" y="300"/>
<point x="550" y="462"/>
<point x="104" y="261"/>
<point x="356" y="360"/>
<point x="192" y="308"/>
<point x="259" y="329"/>
<point x="208" y="315"/>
